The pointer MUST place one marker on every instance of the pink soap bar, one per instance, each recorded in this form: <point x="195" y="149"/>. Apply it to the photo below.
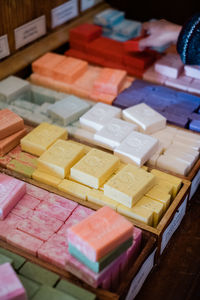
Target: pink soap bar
<point x="86" y="81"/>
<point x="61" y="201"/>
<point x="100" y="233"/>
<point x="82" y="212"/>
<point x="55" y="251"/>
<point x="54" y="210"/>
<point x="10" y="123"/>
<point x="11" y="191"/>
<point x="36" y="192"/>
<point x="8" y="224"/>
<point x="29" y="201"/>
<point x="102" y="97"/>
<point x="22" y="211"/>
<point x="10" y="286"/>
<point x="44" y="219"/>
<point x="110" y="81"/>
<point x="37" y="230"/>
<point x="169" y="65"/>
<point x="24" y="241"/>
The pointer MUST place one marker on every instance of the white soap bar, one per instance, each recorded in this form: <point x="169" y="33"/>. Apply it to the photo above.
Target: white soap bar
<point x="137" y="148"/>
<point x="173" y="164"/>
<point x="192" y="71"/>
<point x="12" y="87"/>
<point x="187" y="150"/>
<point x="186" y="140"/>
<point x="169" y="65"/>
<point x="182" y="82"/>
<point x="148" y="120"/>
<point x="113" y="133"/>
<point x="153" y="159"/>
<point x="82" y="135"/>
<point x="68" y="110"/>
<point x="194" y="86"/>
<point x="189" y="158"/>
<point x="99" y="115"/>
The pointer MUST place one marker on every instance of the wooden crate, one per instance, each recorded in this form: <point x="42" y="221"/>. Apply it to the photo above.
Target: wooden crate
<point x="131" y="283"/>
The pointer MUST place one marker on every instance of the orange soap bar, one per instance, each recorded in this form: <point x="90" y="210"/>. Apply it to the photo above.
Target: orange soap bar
<point x="11" y="141"/>
<point x="70" y="69"/>
<point x="110" y="81"/>
<point x="9" y="123"/>
<point x="100" y="233"/>
<point x="46" y="63"/>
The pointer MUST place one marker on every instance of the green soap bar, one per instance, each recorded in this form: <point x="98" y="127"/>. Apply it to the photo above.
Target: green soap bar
<point x="5" y="259"/>
<point x="21" y="167"/>
<point x="22" y="103"/>
<point x="104" y="261"/>
<point x="48" y="293"/>
<point x="38" y="274"/>
<point x="18" y="261"/>
<point x="74" y="290"/>
<point x="30" y="286"/>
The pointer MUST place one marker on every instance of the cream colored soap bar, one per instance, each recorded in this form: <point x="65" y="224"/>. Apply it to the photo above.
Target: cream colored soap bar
<point x="129" y="185"/>
<point x="46" y="178"/>
<point x="141" y="214"/>
<point x="173" y="180"/>
<point x="59" y="158"/>
<point x="74" y="189"/>
<point x="42" y="137"/>
<point x="95" y="168"/>
<point x="173" y="164"/>
<point x="159" y="194"/>
<point x="99" y="198"/>
<point x="154" y="206"/>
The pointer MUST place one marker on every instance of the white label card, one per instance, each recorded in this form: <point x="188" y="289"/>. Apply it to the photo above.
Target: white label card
<point x="194" y="185"/>
<point x="64" y="13"/>
<point x="30" y="31"/>
<point x="176" y="221"/>
<point x="141" y="276"/>
<point x="4" y="48"/>
<point x="85" y="4"/>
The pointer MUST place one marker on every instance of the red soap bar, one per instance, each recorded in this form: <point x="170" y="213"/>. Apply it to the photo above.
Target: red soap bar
<point x="9" y="123"/>
<point x="140" y="60"/>
<point x="76" y="53"/>
<point x="132" y="45"/>
<point x="85" y="32"/>
<point x="11" y="141"/>
<point x="77" y="45"/>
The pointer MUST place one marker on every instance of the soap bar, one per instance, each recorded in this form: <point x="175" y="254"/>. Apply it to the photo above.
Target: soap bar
<point x="36" y="192"/>
<point x="94" y="168"/>
<point x="10" y="123"/>
<point x="53" y="210"/>
<point x="5" y="259"/>
<point x="99" y="115"/>
<point x="141" y="214"/>
<point x="11" y="141"/>
<point x="4" y="160"/>
<point x="63" y="202"/>
<point x="99" y="198"/>
<point x="136" y="148"/>
<point x="13" y="87"/>
<point x="100" y="233"/>
<point x="157" y="193"/>
<point x="46" y="178"/>
<point x="148" y="120"/>
<point x="74" y="189"/>
<point x="8" y="224"/>
<point x="109" y="17"/>
<point x="173" y="164"/>
<point x="151" y="75"/>
<point x="110" y="81"/>
<point x="192" y="71"/>
<point x="18" y="260"/>
<point x="46" y="292"/>
<point x="22" y="211"/>
<point x="11" y="191"/>
<point x="68" y="110"/>
<point x="85" y="32"/>
<point x="169" y="65"/>
<point x="42" y="137"/>
<point x="20" y="102"/>
<point x="10" y="285"/>
<point x="43" y="218"/>
<point x="30" y="286"/>
<point x="129" y="185"/>
<point x="29" y="201"/>
<point x="21" y="167"/>
<point x="182" y="82"/>
<point x="23" y="157"/>
<point x="114" y="132"/>
<point x="59" y="158"/>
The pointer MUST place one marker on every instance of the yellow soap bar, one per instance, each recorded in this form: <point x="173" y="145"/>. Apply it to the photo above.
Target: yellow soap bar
<point x="164" y="185"/>
<point x="145" y="168"/>
<point x="98" y="197"/>
<point x="175" y="181"/>
<point x="129" y="185"/>
<point x="158" y="194"/>
<point x="154" y="206"/>
<point x="46" y="178"/>
<point x="86" y="147"/>
<point x="121" y="166"/>
<point x="95" y="168"/>
<point x="138" y="213"/>
<point x="42" y="137"/>
<point x="59" y="158"/>
<point x="74" y="189"/>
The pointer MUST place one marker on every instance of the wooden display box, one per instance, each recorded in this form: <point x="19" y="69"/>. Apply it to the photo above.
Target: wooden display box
<point x="129" y="286"/>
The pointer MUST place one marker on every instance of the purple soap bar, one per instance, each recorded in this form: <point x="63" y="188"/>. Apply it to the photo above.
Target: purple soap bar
<point x="195" y="125"/>
<point x="176" y="110"/>
<point x="176" y="120"/>
<point x="195" y="116"/>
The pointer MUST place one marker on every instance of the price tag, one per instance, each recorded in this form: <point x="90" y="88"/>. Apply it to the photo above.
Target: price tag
<point x="141" y="276"/>
<point x="4" y="48"/>
<point x="29" y="32"/>
<point x="85" y="4"/>
<point x="64" y="13"/>
<point x="176" y="221"/>
<point x="194" y="185"/>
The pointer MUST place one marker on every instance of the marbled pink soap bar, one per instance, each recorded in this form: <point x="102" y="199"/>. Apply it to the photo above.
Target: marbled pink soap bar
<point x="10" y="285"/>
<point x="44" y="219"/>
<point x="8" y="224"/>
<point x="37" y="192"/>
<point x="54" y="210"/>
<point x="61" y="201"/>
<point x="22" y="211"/>
<point x="29" y="201"/>
<point x="82" y="212"/>
<point x="11" y="191"/>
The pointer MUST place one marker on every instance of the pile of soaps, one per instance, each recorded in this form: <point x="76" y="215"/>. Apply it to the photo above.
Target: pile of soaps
<point x="87" y="42"/>
<point x="11" y="130"/>
<point x="21" y="279"/>
<point x="170" y="71"/>
<point x="72" y="75"/>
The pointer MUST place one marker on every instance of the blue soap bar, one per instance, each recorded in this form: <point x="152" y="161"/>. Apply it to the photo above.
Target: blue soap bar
<point x="128" y="28"/>
<point x="195" y="125"/>
<point x="174" y="119"/>
<point x="195" y="116"/>
<point x="109" y="17"/>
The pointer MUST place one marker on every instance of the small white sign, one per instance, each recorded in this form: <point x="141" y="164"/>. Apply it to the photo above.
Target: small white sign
<point x="4" y="48"/>
<point x="194" y="185"/>
<point x="64" y="13"/>
<point x="176" y="221"/>
<point x="141" y="276"/>
<point x="85" y="4"/>
<point x="29" y="32"/>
